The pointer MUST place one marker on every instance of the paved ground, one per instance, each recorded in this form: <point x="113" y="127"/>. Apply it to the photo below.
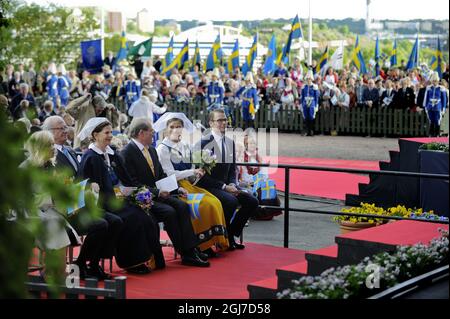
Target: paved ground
<point x="312" y="231"/>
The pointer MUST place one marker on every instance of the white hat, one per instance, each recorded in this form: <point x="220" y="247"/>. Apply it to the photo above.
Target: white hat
<point x="434" y="76"/>
<point x="216" y="73"/>
<point x="161" y="123"/>
<point x="62" y="69"/>
<point x="249" y="77"/>
<point x="90" y="126"/>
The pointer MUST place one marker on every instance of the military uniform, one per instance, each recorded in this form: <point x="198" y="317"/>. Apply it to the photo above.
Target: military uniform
<point x="310" y="106"/>
<point x="435" y="104"/>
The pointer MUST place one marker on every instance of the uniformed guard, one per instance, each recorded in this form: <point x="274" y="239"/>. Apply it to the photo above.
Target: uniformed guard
<point x="310" y="103"/>
<point x="435" y="104"/>
<point x="250" y="101"/>
<point x="215" y="92"/>
<point x="132" y="89"/>
<point x="63" y="86"/>
<point x="52" y="83"/>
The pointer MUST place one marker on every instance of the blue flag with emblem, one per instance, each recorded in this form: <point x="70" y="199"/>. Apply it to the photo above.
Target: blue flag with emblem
<point x="123" y="51"/>
<point x="394" y="54"/>
<point x="81" y="201"/>
<point x="271" y="57"/>
<point x="91" y="53"/>
<point x="193" y="201"/>
<point x="268" y="190"/>
<point x="251" y="56"/>
<point x="413" y="60"/>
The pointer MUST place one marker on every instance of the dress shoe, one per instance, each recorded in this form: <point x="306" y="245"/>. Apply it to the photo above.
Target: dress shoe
<point x="193" y="260"/>
<point x="83" y="270"/>
<point x="139" y="270"/>
<point x="97" y="272"/>
<point x="202" y="255"/>
<point x="210" y="253"/>
<point x="234" y="245"/>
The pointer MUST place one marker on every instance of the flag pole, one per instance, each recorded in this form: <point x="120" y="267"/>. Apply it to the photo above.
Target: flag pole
<point x="310" y="36"/>
<point x="102" y="30"/>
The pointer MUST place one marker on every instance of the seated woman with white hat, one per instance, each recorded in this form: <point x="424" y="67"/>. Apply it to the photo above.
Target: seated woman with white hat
<point x="176" y="159"/>
<point x="139" y="239"/>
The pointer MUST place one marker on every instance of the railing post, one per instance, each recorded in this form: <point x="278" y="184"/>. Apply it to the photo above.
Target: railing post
<point x="286" y="207"/>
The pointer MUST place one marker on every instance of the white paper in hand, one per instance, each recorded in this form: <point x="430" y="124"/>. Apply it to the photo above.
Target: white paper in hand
<point x="167" y="184"/>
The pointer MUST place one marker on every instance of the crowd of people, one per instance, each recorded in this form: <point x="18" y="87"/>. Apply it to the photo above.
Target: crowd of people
<point x="104" y="128"/>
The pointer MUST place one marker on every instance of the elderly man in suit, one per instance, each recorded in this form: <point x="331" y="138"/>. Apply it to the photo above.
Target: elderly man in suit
<point x="101" y="234"/>
<point x="141" y="160"/>
<point x="222" y="180"/>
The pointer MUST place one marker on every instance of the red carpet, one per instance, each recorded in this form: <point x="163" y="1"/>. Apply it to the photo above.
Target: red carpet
<point x="226" y="278"/>
<point x="427" y="139"/>
<point x="322" y="184"/>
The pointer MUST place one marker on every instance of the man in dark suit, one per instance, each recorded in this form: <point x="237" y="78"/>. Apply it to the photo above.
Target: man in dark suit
<point x="110" y="60"/>
<point x="142" y="163"/>
<point x="222" y="180"/>
<point x="101" y="234"/>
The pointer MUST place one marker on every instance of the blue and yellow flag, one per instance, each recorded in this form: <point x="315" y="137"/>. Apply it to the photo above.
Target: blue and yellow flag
<point x="271" y="57"/>
<point x="283" y="57"/>
<point x="251" y="56"/>
<point x="394" y="54"/>
<point x="258" y="181"/>
<point x="413" y="61"/>
<point x="233" y="59"/>
<point x="81" y="201"/>
<point x="196" y="58"/>
<point x="296" y="29"/>
<point x="268" y="190"/>
<point x="215" y="54"/>
<point x="123" y="51"/>
<point x="320" y="67"/>
<point x="377" y="57"/>
<point x="357" y="58"/>
<point x="169" y="54"/>
<point x="179" y="61"/>
<point x="193" y="201"/>
<point x="437" y="61"/>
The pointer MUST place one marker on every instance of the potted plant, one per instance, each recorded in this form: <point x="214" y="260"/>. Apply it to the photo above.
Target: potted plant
<point x="350" y="223"/>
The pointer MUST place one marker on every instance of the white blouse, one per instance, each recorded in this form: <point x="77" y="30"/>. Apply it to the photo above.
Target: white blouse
<point x="164" y="155"/>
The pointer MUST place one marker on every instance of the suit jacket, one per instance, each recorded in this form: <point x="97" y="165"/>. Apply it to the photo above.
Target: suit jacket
<point x="405" y="99"/>
<point x="138" y="168"/>
<point x="62" y="162"/>
<point x="222" y="173"/>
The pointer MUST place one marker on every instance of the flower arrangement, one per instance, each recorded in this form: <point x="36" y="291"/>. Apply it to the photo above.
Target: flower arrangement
<point x="397" y="211"/>
<point x="204" y="159"/>
<point x="348" y="282"/>
<point x="434" y="146"/>
<point x="142" y="197"/>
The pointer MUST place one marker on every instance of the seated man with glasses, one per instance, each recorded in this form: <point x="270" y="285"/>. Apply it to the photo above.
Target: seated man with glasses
<point x="222" y="180"/>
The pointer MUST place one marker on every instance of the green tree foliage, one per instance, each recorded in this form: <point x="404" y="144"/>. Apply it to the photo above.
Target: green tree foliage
<point x="44" y="34"/>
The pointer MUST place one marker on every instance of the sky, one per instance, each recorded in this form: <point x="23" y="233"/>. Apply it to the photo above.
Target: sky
<point x="261" y="9"/>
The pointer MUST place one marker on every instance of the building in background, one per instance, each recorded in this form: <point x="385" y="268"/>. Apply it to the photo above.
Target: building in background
<point x="144" y="21"/>
<point x="116" y="22"/>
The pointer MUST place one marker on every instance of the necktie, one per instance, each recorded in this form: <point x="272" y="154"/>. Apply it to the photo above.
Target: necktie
<point x="149" y="159"/>
<point x="223" y="149"/>
<point x="70" y="158"/>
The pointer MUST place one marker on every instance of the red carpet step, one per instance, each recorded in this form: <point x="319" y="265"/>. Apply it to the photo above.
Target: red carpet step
<point x="351" y="248"/>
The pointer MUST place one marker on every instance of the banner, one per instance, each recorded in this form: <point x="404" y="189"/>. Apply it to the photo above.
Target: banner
<point x="91" y="53"/>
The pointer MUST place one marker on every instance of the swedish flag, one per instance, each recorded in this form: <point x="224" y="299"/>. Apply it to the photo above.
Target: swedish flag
<point x="215" y="55"/>
<point x="196" y="58"/>
<point x="271" y="57"/>
<point x="377" y="57"/>
<point x="81" y="201"/>
<point x="296" y="29"/>
<point x="193" y="201"/>
<point x="258" y="181"/>
<point x="233" y="59"/>
<point x="414" y="56"/>
<point x="123" y="51"/>
<point x="169" y="54"/>
<point x="248" y="65"/>
<point x="394" y="53"/>
<point x="436" y="62"/>
<point x="180" y="60"/>
<point x="268" y="190"/>
<point x="320" y="67"/>
<point x="357" y="58"/>
<point x="283" y="56"/>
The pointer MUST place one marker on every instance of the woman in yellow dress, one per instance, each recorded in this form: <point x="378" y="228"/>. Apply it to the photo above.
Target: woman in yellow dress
<point x="207" y="215"/>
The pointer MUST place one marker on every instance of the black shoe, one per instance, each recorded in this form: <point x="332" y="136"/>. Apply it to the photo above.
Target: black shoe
<point x="97" y="272"/>
<point x="82" y="269"/>
<point x="194" y="260"/>
<point x="234" y="245"/>
<point x="202" y="255"/>
<point x="210" y="253"/>
<point x="139" y="270"/>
